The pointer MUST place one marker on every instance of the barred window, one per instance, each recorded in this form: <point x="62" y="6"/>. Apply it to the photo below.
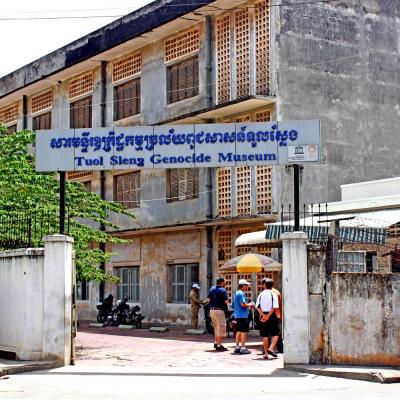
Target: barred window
<point x="42" y="121"/>
<point x="181" y="278"/>
<point x="183" y="44"/>
<point x="81" y="85"/>
<point x="127" y="66"/>
<point x="223" y="58"/>
<point x="81" y="113"/>
<point x="182" y="184"/>
<point x="9" y="115"/>
<point x="127" y="189"/>
<point x="12" y="128"/>
<point x="224" y="192"/>
<point x="129" y="283"/>
<point x="42" y="101"/>
<point x="127" y="99"/>
<point x="183" y="80"/>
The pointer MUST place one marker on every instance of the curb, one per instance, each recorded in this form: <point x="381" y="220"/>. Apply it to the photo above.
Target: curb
<point x="368" y="376"/>
<point x="19" y="369"/>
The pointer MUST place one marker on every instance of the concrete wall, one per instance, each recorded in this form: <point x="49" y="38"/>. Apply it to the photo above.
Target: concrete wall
<point x="35" y="294"/>
<point x="339" y="62"/>
<point x="354" y="318"/>
<point x="154" y="253"/>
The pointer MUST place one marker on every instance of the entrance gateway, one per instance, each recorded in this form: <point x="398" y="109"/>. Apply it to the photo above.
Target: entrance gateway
<point x="179" y="146"/>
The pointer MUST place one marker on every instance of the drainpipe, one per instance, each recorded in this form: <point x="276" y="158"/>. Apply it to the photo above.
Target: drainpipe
<point x="24" y="112"/>
<point x="103" y="119"/>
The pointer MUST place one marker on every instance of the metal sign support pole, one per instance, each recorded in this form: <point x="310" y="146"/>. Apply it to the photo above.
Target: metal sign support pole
<point x="296" y="189"/>
<point x="62" y="202"/>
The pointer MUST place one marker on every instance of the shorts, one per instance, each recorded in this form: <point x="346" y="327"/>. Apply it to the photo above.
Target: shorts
<point x="242" y="324"/>
<point x="270" y="327"/>
<point x="219" y="322"/>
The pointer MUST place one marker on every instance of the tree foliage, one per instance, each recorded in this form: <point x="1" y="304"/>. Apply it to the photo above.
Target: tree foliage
<point x="23" y="189"/>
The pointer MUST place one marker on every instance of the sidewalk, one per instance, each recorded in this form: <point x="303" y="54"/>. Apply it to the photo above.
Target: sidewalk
<point x="371" y="374"/>
<point x="10" y="367"/>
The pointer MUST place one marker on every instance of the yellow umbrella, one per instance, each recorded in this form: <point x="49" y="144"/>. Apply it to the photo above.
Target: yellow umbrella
<point x="248" y="263"/>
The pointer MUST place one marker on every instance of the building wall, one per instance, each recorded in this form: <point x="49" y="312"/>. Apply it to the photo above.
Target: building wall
<point x="354" y="317"/>
<point x="154" y="253"/>
<point x="339" y="62"/>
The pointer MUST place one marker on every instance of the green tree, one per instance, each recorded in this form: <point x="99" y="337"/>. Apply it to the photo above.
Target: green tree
<point x="23" y="189"/>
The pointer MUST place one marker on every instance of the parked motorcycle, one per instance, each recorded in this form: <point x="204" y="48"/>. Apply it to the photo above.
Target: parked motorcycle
<point x="135" y="317"/>
<point x="118" y="314"/>
<point x="104" y="309"/>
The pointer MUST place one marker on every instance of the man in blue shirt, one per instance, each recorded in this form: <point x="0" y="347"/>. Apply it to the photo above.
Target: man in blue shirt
<point x="241" y="312"/>
<point x="218" y="305"/>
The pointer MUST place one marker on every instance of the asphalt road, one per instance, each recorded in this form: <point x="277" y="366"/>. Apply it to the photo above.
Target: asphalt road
<point x="94" y="383"/>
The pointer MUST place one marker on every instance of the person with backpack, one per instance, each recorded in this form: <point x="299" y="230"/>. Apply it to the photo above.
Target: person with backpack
<point x="267" y="306"/>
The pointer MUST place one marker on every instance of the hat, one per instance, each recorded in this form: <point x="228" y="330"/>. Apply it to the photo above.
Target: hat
<point x="244" y="282"/>
<point x="196" y="286"/>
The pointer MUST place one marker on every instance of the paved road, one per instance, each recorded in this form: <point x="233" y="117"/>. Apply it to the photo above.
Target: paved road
<point x="91" y="383"/>
<point x="138" y="365"/>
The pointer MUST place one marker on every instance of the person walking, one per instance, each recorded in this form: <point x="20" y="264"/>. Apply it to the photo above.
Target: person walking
<point x="218" y="298"/>
<point x="195" y="302"/>
<point x="267" y="306"/>
<point x="241" y="312"/>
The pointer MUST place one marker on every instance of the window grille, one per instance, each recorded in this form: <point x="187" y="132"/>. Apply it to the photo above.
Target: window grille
<point x="42" y="101"/>
<point x="243" y="190"/>
<point x="127" y="189"/>
<point x="183" y="80"/>
<point x="129" y="284"/>
<point x="224" y="192"/>
<point x="81" y="113"/>
<point x="182" y="184"/>
<point x="264" y="189"/>
<point x="182" y="278"/>
<point x="183" y="44"/>
<point x="81" y="85"/>
<point x="242" y="52"/>
<point x="127" y="66"/>
<point x="224" y="245"/>
<point x="351" y="261"/>
<point x="9" y="115"/>
<point x="243" y="250"/>
<point x="242" y="118"/>
<point x="263" y="116"/>
<point x="223" y="58"/>
<point x="42" y="121"/>
<point x="394" y="230"/>
<point x="127" y="99"/>
<point x="74" y="175"/>
<point x="262" y="46"/>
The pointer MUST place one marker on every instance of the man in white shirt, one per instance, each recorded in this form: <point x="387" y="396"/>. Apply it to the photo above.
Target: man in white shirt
<point x="267" y="306"/>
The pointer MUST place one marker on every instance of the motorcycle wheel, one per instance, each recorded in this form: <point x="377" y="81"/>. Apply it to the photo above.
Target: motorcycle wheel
<point x="100" y="318"/>
<point x="138" y="324"/>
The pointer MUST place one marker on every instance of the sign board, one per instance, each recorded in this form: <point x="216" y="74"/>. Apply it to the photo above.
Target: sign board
<point x="178" y="146"/>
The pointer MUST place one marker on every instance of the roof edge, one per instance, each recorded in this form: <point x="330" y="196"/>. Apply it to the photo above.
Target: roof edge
<point x="140" y="21"/>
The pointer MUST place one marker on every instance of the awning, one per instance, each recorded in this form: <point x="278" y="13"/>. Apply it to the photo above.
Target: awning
<point x="363" y="227"/>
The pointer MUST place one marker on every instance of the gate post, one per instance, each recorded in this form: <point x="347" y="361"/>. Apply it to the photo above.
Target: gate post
<point x="295" y="298"/>
<point x="57" y="298"/>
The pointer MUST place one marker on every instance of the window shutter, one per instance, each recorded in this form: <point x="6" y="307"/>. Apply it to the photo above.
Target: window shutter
<point x="182" y="184"/>
<point x="181" y="81"/>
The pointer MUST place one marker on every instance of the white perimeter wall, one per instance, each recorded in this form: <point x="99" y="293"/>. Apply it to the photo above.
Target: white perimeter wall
<point x="35" y="298"/>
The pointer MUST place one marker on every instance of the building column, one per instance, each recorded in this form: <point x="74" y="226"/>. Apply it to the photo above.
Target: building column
<point x="295" y="298"/>
<point x="57" y="298"/>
